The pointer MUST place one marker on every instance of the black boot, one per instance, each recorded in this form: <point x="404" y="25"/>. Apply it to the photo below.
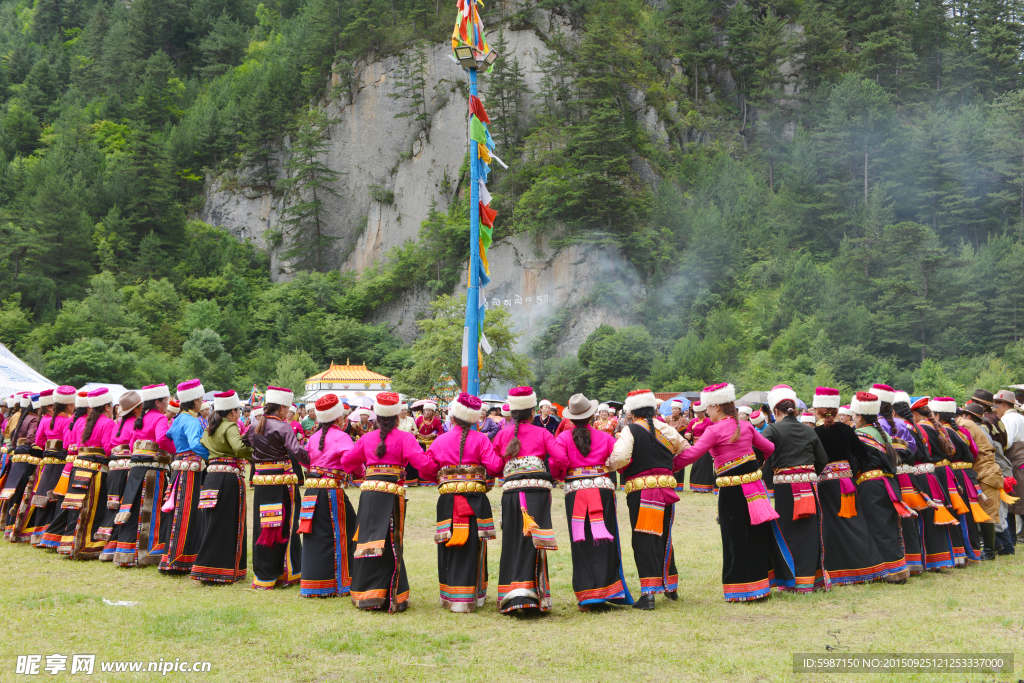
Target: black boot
<point x="672" y="595"/>
<point x="645" y="602"/>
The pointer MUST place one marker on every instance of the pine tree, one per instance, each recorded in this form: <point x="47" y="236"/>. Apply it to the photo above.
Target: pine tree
<point x="306" y="186"/>
<point x="411" y="86"/>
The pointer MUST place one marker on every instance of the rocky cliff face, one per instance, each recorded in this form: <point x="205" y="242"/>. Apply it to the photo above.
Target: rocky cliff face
<point x="378" y="154"/>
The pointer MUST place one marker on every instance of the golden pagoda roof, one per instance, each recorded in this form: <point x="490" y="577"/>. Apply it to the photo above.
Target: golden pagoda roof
<point x="348" y="373"/>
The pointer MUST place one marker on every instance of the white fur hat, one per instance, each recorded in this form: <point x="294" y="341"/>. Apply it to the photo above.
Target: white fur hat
<point x="901" y="397"/>
<point x="604" y="407"/>
<point x="45" y="398"/>
<point x="806" y="418"/>
<point x="82" y="399"/>
<point x="746" y="410"/>
<point x="280" y="396"/>
<point x="884" y="392"/>
<point x="329" y="408"/>
<point x="543" y="403"/>
<point x="12" y="402"/>
<point x="699" y="407"/>
<point x="826" y="397"/>
<point x="865" y="403"/>
<point x="190" y="390"/>
<point x="65" y="395"/>
<point x="845" y="410"/>
<point x="429" y="405"/>
<point x="717" y="394"/>
<point x="226" y="400"/>
<point x="26" y="400"/>
<point x="521" y="398"/>
<point x="942" y="404"/>
<point x="466" y="407"/>
<point x="779" y="393"/>
<point x="757" y="418"/>
<point x="154" y="392"/>
<point x="255" y="412"/>
<point x="36" y="401"/>
<point x="675" y="404"/>
<point x="99" y="397"/>
<point x="641" y="398"/>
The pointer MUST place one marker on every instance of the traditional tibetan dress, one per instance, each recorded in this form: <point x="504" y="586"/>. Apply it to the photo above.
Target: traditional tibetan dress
<point x="426" y="432"/>
<point x="464" y="519"/>
<point x="119" y="466"/>
<point x="799" y="553"/>
<point x="526" y="518"/>
<point x="597" y="575"/>
<point x="379" y="580"/>
<point x="702" y="473"/>
<point x="179" y="523"/>
<point x="53" y="437"/>
<point x="17" y="493"/>
<point x="57" y="527"/>
<point x="136" y="535"/>
<point x="328" y="520"/>
<point x="680" y="424"/>
<point x="942" y="450"/>
<point x="936" y="524"/>
<point x="646" y="462"/>
<point x="905" y="445"/>
<point x="879" y="501"/>
<point x="850" y="552"/>
<point x="277" y="552"/>
<point x="743" y="507"/>
<point x="222" y="548"/>
<point x="85" y="504"/>
<point x="961" y="469"/>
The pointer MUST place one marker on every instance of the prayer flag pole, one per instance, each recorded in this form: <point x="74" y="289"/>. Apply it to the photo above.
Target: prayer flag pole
<point x="471" y="383"/>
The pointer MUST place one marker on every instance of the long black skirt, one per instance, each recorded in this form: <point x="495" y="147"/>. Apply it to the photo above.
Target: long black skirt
<point x="969" y="530"/>
<point x="462" y="551"/>
<point x="379" y="580"/>
<point x="19" y="479"/>
<point x="798" y="552"/>
<point x="179" y="530"/>
<point x="911" y="530"/>
<point x="221" y="556"/>
<point x="523" y="569"/>
<point x="746" y="548"/>
<point x="276" y="556"/>
<point x="936" y="545"/>
<point x="850" y="552"/>
<point x="597" y="566"/>
<point x="116" y="480"/>
<point x="84" y="505"/>
<point x="884" y="524"/>
<point x="326" y="547"/>
<point x="653" y="553"/>
<point x="66" y="517"/>
<point x="702" y="475"/>
<point x="45" y="502"/>
<point x="136" y="536"/>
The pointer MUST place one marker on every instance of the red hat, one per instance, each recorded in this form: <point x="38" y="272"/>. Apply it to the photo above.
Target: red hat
<point x="826" y="397"/>
<point x="329" y="408"/>
<point x="920" y="403"/>
<point x="884" y="392"/>
<point x="174" y="406"/>
<point x="387" y="404"/>
<point x="522" y="398"/>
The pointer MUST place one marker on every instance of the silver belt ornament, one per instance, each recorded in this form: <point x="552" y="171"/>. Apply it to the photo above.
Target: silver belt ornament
<point x="526" y="484"/>
<point x="589" y="483"/>
<point x="186" y="466"/>
<point x="224" y="468"/>
<point x="806" y="477"/>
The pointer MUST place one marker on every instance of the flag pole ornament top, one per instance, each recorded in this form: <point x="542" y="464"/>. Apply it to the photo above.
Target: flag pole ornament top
<point x="469" y="45"/>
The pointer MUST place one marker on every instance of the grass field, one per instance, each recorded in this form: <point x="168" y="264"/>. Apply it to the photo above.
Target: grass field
<point x="49" y="604"/>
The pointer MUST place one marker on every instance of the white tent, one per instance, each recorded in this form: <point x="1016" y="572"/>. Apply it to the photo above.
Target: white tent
<point x="16" y="375"/>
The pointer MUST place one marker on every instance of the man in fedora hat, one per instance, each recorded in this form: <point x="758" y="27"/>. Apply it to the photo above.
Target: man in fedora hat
<point x="1004" y="403"/>
<point x="990" y="477"/>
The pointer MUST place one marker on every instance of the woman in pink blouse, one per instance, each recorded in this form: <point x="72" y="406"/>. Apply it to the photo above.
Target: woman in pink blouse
<point x="130" y="404"/>
<point x="743" y="507"/>
<point x="137" y="541"/>
<point x="380" y="458"/>
<point x="524" y="448"/>
<point x="579" y="459"/>
<point x="327" y="520"/>
<point x="53" y="437"/>
<point x="462" y="461"/>
<point x="86" y="498"/>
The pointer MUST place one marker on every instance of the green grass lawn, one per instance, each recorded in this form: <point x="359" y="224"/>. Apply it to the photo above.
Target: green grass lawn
<point x="49" y="604"/>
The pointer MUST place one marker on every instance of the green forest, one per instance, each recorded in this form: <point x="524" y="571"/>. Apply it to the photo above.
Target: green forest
<point x="834" y="193"/>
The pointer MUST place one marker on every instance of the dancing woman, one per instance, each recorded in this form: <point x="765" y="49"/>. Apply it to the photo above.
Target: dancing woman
<point x="130" y="405"/>
<point x="221" y="551"/>
<point x="58" y="527"/>
<point x="850" y="552"/>
<point x="462" y="461"/>
<point x="579" y="459"/>
<point x="53" y="437"/>
<point x="327" y="521"/>
<point x="799" y="554"/>
<point x="524" y="449"/>
<point x="743" y="507"/>
<point x="961" y="479"/>
<point x="380" y="458"/>
<point x="876" y="496"/>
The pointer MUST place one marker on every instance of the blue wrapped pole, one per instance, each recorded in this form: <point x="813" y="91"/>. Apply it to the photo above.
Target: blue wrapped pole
<point x="473" y="295"/>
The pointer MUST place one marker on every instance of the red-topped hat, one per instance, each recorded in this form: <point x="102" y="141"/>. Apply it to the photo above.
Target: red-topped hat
<point x="154" y="392"/>
<point x="641" y="398"/>
<point x="226" y="400"/>
<point x="387" y="404"/>
<point x="780" y="393"/>
<point x="942" y="404"/>
<point x="865" y="403"/>
<point x="190" y="390"/>
<point x="920" y="403"/>
<point x="279" y="396"/>
<point x="46" y="398"/>
<point x="329" y="408"/>
<point x="826" y="397"/>
<point x="466" y="407"/>
<point x="99" y="397"/>
<point x="521" y="398"/>
<point x="884" y="392"/>
<point x="82" y="399"/>
<point x="718" y="394"/>
<point x="174" y="406"/>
